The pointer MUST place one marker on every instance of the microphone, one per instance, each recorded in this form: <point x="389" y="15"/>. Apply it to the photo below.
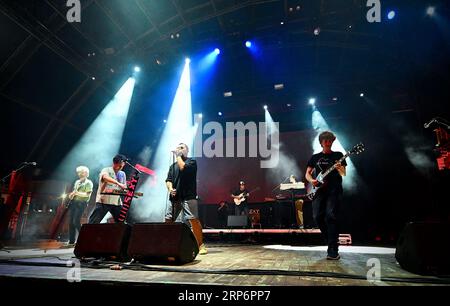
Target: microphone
<point x="30" y="163"/>
<point x="427" y="125"/>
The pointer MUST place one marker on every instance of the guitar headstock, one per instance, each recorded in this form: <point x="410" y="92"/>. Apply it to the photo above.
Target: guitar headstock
<point x="359" y="148"/>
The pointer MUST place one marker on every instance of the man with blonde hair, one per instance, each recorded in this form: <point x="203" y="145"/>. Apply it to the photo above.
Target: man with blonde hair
<point x="79" y="199"/>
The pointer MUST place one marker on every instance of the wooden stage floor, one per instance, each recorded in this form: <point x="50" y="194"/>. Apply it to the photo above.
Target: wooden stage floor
<point x="226" y="265"/>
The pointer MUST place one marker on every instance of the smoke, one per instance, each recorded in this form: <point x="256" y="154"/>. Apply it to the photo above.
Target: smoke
<point x="416" y="153"/>
<point x="145" y="155"/>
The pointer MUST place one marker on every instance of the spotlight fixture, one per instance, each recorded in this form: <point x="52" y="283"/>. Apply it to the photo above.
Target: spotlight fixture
<point x="137" y="69"/>
<point x="248" y="44"/>
<point x="200" y="115"/>
<point x="312" y="101"/>
<point x="227" y="94"/>
<point x="219" y="113"/>
<point x="278" y="86"/>
<point x="217" y="51"/>
<point x="431" y="10"/>
<point x="187" y="60"/>
<point x="391" y="15"/>
<point x="361" y="95"/>
<point x="165" y="121"/>
<point x="317" y="31"/>
<point x="93" y="78"/>
<point x="265" y="107"/>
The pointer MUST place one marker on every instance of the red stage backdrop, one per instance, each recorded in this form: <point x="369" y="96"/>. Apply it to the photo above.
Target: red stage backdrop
<point x="218" y="177"/>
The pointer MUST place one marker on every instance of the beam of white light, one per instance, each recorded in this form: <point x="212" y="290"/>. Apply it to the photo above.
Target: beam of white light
<point x="102" y="139"/>
<point x="178" y="128"/>
<point x="320" y="125"/>
<point x="286" y="164"/>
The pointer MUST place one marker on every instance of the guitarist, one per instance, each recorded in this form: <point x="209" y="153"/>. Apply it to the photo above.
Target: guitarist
<point x="329" y="196"/>
<point x="79" y="199"/>
<point x="241" y="194"/>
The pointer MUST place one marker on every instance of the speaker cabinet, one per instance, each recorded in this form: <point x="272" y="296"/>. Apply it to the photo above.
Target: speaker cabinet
<point x="108" y="240"/>
<point x="162" y="242"/>
<point x="423" y="248"/>
<point x="237" y="221"/>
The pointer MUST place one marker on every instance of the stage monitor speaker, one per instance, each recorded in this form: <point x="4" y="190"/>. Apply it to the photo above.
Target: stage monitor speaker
<point x="108" y="240"/>
<point x="423" y="248"/>
<point x="162" y="242"/>
<point x="237" y="221"/>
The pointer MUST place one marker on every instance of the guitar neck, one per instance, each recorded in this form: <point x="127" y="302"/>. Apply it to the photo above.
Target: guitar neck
<point x="335" y="164"/>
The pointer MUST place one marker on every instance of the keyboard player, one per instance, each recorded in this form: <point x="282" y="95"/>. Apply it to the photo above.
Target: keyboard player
<point x="293" y="186"/>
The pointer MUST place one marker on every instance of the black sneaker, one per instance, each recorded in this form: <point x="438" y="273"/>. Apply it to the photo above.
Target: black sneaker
<point x="334" y="256"/>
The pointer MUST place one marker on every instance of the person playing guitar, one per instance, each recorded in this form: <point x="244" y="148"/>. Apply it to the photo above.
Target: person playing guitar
<point x="79" y="199"/>
<point x="328" y="199"/>
<point x="240" y="197"/>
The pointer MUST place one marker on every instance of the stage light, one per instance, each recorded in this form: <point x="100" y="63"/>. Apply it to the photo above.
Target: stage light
<point x="101" y="141"/>
<point x="217" y="51"/>
<point x="227" y="94"/>
<point x="187" y="60"/>
<point x="137" y="69"/>
<point x="282" y="22"/>
<point x="200" y="115"/>
<point x="165" y="121"/>
<point x="178" y="128"/>
<point x="361" y="95"/>
<point x="317" y="31"/>
<point x="278" y="86"/>
<point x="93" y="78"/>
<point x="391" y="15"/>
<point x="219" y="113"/>
<point x="431" y="10"/>
<point x="248" y="44"/>
<point x="312" y="101"/>
<point x="265" y="107"/>
<point x="335" y="98"/>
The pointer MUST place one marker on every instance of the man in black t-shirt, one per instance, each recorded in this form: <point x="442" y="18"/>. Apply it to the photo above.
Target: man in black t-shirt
<point x="240" y="197"/>
<point x="181" y="182"/>
<point x="328" y="198"/>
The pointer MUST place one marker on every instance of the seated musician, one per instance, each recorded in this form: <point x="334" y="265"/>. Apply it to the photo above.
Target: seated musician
<point x="110" y="179"/>
<point x="240" y="197"/>
<point x="298" y="205"/>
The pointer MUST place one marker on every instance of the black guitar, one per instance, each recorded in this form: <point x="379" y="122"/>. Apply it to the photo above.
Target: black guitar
<point x="322" y="175"/>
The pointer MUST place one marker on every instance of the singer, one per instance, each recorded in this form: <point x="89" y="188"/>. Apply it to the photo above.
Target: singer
<point x="181" y="182"/>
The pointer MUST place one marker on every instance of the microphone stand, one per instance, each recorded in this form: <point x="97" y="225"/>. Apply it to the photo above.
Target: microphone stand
<point x="23" y="166"/>
<point x="439" y="121"/>
<point x="131" y="189"/>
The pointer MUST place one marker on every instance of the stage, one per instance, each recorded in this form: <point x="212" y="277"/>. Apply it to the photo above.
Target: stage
<point x="236" y="264"/>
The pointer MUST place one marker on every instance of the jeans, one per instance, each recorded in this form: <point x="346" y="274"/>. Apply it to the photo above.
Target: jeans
<point x="325" y="210"/>
<point x="182" y="211"/>
<point x="76" y="209"/>
<point x="101" y="210"/>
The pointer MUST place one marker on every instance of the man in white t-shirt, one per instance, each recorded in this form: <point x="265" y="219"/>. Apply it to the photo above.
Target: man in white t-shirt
<point x="110" y="179"/>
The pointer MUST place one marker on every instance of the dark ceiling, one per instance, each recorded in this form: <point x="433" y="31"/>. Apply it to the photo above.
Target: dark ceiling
<point x="46" y="64"/>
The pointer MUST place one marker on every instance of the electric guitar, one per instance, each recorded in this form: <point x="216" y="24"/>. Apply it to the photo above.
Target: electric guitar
<point x="243" y="196"/>
<point x="359" y="148"/>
